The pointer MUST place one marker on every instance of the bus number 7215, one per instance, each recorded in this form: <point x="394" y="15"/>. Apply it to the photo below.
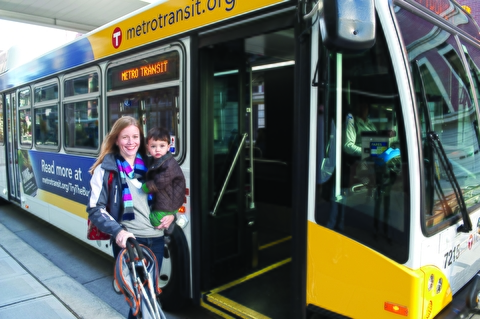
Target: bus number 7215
<point x="451" y="256"/>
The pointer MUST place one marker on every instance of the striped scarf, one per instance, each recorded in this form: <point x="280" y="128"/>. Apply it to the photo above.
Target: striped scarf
<point x="139" y="170"/>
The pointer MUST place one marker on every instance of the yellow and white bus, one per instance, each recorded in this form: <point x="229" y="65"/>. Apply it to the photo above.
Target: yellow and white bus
<point x="293" y="208"/>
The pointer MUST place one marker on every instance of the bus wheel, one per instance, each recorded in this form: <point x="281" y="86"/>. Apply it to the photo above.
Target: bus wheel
<point x="170" y="280"/>
<point x="473" y="297"/>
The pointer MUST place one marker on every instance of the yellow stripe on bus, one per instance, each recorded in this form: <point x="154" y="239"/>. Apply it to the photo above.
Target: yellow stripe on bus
<point x="275" y="243"/>
<point x="252" y="275"/>
<point x="214" y="310"/>
<point x="167" y="19"/>
<point x="238" y="309"/>
<point x="63" y="203"/>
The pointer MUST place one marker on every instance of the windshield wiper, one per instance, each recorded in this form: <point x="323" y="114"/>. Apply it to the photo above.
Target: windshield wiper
<point x="436" y="144"/>
<point x="443" y="158"/>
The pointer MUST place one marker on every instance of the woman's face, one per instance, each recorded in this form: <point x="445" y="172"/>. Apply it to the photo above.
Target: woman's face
<point x="128" y="141"/>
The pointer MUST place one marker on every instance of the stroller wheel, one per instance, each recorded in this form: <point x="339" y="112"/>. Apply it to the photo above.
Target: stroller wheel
<point x="116" y="288"/>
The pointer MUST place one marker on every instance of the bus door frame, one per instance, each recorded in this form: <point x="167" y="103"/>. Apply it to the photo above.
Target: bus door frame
<point x="300" y="150"/>
<point x="12" y="146"/>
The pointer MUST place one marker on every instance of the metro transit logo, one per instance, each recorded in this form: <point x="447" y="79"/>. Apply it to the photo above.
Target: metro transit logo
<point x="117" y="37"/>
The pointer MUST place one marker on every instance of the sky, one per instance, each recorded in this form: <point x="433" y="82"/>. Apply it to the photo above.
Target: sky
<point x="37" y="39"/>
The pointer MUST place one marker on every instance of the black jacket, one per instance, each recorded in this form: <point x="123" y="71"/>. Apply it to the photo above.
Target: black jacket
<point x="102" y="196"/>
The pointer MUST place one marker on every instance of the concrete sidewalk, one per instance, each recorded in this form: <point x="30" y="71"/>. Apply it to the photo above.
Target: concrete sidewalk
<point x="33" y="287"/>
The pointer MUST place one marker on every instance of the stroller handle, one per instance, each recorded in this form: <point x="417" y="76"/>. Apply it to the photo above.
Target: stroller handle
<point x="131" y="242"/>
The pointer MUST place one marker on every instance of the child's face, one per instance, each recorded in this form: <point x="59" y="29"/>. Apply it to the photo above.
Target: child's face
<point x="157" y="148"/>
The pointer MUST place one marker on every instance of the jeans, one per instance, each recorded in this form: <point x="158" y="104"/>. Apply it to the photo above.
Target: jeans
<point x="156" y="245"/>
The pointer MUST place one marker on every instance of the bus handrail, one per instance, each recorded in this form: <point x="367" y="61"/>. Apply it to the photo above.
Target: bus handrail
<point x="224" y="187"/>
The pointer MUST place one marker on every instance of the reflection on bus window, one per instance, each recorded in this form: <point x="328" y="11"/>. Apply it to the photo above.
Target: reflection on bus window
<point x="81" y="85"/>
<point x="153" y="108"/>
<point x="225" y="117"/>
<point x="446" y="108"/>
<point x="81" y="124"/>
<point x="2" y="136"/>
<point x="46" y="126"/>
<point x="361" y="189"/>
<point x="80" y="112"/>
<point x="24" y="98"/>
<point x="46" y="93"/>
<point x="25" y="117"/>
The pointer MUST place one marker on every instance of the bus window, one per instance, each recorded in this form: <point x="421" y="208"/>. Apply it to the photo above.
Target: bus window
<point x="46" y="115"/>
<point x="81" y="85"/>
<point x="446" y="109"/>
<point x="362" y="165"/>
<point x="473" y="61"/>
<point x="25" y="120"/>
<point x="46" y="126"/>
<point x="153" y="108"/>
<point x="46" y="93"/>
<point x="25" y="117"/>
<point x="153" y="95"/>
<point x="81" y="124"/>
<point x="2" y="136"/>
<point x="80" y="112"/>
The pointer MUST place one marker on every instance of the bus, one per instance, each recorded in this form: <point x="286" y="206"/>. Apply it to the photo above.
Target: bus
<point x="293" y="209"/>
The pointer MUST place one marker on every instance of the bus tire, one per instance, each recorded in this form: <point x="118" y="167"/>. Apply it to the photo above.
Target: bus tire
<point x="174" y="279"/>
<point x="474" y="293"/>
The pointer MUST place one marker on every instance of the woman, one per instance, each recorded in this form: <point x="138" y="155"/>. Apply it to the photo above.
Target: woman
<point x="122" y="158"/>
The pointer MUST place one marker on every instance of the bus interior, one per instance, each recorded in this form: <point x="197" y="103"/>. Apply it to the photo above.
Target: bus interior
<point x="248" y="85"/>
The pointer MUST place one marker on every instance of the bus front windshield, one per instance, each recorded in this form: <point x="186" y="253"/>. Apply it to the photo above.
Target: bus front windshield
<point x="362" y="174"/>
<point x="444" y="90"/>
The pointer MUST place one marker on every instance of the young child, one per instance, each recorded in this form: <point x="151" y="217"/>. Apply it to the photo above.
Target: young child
<point x="164" y="179"/>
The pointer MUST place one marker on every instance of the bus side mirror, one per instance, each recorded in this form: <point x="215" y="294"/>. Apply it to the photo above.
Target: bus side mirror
<point x="348" y="25"/>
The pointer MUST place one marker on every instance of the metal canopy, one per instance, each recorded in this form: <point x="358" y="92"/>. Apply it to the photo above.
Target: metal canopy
<point x="81" y="15"/>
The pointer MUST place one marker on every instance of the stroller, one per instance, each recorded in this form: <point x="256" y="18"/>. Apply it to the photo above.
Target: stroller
<point x="136" y="277"/>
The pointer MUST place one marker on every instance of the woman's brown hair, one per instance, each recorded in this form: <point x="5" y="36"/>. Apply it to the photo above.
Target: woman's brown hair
<point x="109" y="143"/>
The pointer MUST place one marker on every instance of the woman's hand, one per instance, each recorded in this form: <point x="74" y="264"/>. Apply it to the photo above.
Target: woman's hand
<point x="166" y="221"/>
<point x="122" y="237"/>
